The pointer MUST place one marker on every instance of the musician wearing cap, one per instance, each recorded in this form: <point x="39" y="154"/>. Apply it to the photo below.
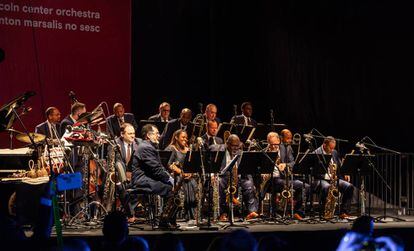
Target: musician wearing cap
<point x="164" y="113"/>
<point x="233" y="148"/>
<point x="116" y="120"/>
<point x="285" y="164"/>
<point x="210" y="137"/>
<point x="246" y="117"/>
<point x="51" y="127"/>
<point x="322" y="183"/>
<point x="75" y="111"/>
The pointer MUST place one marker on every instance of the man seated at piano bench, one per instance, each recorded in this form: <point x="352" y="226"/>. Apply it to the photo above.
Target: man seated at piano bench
<point x="51" y="127"/>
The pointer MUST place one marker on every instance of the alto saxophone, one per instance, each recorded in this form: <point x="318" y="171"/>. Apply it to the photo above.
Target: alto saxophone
<point x="286" y="195"/>
<point x="232" y="187"/>
<point x="109" y="189"/>
<point x="173" y="203"/>
<point x="333" y="193"/>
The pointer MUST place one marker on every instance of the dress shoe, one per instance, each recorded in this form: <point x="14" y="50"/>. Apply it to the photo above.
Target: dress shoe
<point x="251" y="216"/>
<point x="223" y="217"/>
<point x="132" y="219"/>
<point x="297" y="216"/>
<point x="344" y="216"/>
<point x="236" y="202"/>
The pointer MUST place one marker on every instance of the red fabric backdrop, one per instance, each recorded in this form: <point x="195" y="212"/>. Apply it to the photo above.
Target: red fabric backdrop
<point x="53" y="59"/>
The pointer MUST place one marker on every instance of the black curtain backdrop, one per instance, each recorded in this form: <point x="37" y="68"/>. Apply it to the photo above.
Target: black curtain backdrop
<point x="341" y="66"/>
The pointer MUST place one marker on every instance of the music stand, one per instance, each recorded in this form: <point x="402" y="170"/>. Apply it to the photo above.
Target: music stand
<point x="224" y="127"/>
<point x="358" y="163"/>
<point x="244" y="132"/>
<point x="165" y="157"/>
<point x="311" y="164"/>
<point x="263" y="129"/>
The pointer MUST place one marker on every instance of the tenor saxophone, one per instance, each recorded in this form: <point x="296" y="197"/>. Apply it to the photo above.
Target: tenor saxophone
<point x="333" y="193"/>
<point x="109" y="189"/>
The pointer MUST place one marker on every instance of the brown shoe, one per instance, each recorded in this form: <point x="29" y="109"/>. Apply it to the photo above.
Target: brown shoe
<point x="252" y="215"/>
<point x="297" y="216"/>
<point x="132" y="219"/>
<point x="236" y="202"/>
<point x="223" y="217"/>
<point x="344" y="216"/>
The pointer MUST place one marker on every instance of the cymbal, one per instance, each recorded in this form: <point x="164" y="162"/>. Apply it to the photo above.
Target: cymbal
<point x="37" y="137"/>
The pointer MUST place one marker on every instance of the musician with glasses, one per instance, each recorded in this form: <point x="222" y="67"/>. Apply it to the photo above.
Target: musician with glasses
<point x="164" y="113"/>
<point x="286" y="162"/>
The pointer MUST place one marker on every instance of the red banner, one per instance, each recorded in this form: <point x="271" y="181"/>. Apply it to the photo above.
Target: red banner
<point x="53" y="47"/>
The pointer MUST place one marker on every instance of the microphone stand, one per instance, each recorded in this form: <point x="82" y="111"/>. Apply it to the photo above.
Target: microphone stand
<point x="383" y="217"/>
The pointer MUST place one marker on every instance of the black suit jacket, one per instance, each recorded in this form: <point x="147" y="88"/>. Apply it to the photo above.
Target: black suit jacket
<point x="335" y="157"/>
<point x="207" y="143"/>
<point x="147" y="162"/>
<point x="157" y="118"/>
<point x="239" y="120"/>
<point x="168" y="132"/>
<point x="123" y="151"/>
<point x="114" y="125"/>
<point x="64" y="123"/>
<point x="43" y="128"/>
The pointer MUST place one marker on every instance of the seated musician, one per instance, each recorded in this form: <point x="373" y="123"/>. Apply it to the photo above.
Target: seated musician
<point x="210" y="113"/>
<point x="51" y="127"/>
<point x="286" y="161"/>
<point x="164" y="113"/>
<point x="248" y="189"/>
<point x="120" y="117"/>
<point x="210" y="137"/>
<point x="179" y="149"/>
<point x="174" y="125"/>
<point x="148" y="173"/>
<point x="75" y="111"/>
<point x="246" y="117"/>
<point x="322" y="183"/>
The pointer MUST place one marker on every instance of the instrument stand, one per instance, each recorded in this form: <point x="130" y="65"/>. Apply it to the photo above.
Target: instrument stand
<point x="86" y="211"/>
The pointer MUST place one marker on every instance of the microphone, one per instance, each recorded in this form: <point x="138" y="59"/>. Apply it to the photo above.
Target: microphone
<point x="308" y="136"/>
<point x="361" y="145"/>
<point x="235" y="110"/>
<point x="200" y="107"/>
<point x="271" y="115"/>
<point x="25" y="111"/>
<point x="200" y="142"/>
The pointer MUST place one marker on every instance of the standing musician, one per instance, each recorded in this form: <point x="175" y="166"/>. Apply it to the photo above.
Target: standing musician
<point x="164" y="113"/>
<point x="51" y="127"/>
<point x="179" y="149"/>
<point x="233" y="148"/>
<point x="322" y="183"/>
<point x="210" y="137"/>
<point x="246" y="117"/>
<point x="286" y="161"/>
<point x="120" y="117"/>
<point x="75" y="111"/>
<point x="148" y="173"/>
<point x="174" y="125"/>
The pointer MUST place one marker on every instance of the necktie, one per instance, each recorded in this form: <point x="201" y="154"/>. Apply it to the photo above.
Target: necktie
<point x="128" y="155"/>
<point x="211" y="141"/>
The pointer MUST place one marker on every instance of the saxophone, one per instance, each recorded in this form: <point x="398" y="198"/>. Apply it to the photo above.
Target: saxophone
<point x="215" y="184"/>
<point x="333" y="193"/>
<point x="286" y="195"/>
<point x="109" y="189"/>
<point x="232" y="187"/>
<point x="173" y="203"/>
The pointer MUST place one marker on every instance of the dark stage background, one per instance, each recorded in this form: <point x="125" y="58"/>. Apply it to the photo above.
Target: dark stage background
<point x="343" y="67"/>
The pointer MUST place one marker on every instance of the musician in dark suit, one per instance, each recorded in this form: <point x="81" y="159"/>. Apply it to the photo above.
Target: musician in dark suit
<point x="75" y="111"/>
<point x="322" y="184"/>
<point x="118" y="118"/>
<point x="163" y="115"/>
<point x="246" y="117"/>
<point x="210" y="138"/>
<point x="211" y="113"/>
<point x="246" y="183"/>
<point x="174" y="125"/>
<point x="148" y="173"/>
<point x="51" y="127"/>
<point x="286" y="162"/>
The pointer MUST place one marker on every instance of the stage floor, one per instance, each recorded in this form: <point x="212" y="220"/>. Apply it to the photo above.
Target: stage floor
<point x="299" y="236"/>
